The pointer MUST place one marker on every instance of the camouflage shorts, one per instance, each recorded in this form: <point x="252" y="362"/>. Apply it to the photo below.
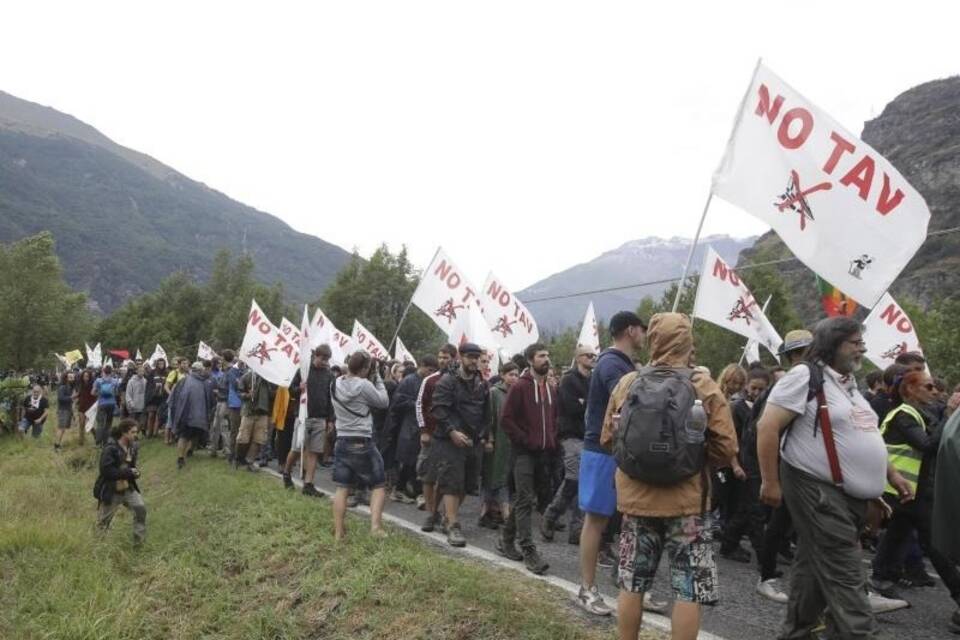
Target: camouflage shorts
<point x="693" y="569"/>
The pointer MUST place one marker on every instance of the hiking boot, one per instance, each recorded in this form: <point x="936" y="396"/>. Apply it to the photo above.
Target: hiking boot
<point x="534" y="563"/>
<point x="886" y="588"/>
<point x="880" y="604"/>
<point x="547" y="527"/>
<point x="917" y="577"/>
<point x="421" y="503"/>
<point x="607" y="557"/>
<point x="770" y="589"/>
<point x="311" y="491"/>
<point x="486" y="521"/>
<point x="180" y="463"/>
<point x="592" y="602"/>
<point x="429" y="523"/>
<point x="455" y="536"/>
<point x="738" y="555"/>
<point x="399" y="496"/>
<point x="574" y="537"/>
<point x="508" y="549"/>
<point x="287" y="481"/>
<point x="57" y="448"/>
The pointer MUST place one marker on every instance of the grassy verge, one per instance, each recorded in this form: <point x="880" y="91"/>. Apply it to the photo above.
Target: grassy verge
<point x="229" y="555"/>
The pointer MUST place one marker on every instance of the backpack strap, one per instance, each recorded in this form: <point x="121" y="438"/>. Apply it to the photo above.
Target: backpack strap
<point x="333" y="396"/>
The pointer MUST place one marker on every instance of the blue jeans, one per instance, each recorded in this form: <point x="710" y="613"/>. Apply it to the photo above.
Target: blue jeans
<point x="357" y="464"/>
<point x="35" y="428"/>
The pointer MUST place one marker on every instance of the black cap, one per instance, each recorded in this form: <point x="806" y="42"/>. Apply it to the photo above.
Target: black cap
<point x="470" y="348"/>
<point x="623" y="320"/>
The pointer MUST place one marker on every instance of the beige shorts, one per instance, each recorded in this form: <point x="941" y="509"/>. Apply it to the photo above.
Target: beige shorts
<point x="253" y="428"/>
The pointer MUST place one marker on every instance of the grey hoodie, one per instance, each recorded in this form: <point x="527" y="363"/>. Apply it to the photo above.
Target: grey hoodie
<point x="353" y="399"/>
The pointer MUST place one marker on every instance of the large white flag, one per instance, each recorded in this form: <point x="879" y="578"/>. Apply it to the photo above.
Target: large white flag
<point x="724" y="300"/>
<point x="205" y="351"/>
<point x="368" y="342"/>
<point x="840" y="206"/>
<point x="444" y="293"/>
<point x="509" y="319"/>
<point x="323" y="331"/>
<point x="298" y="431"/>
<point x="402" y="354"/>
<point x="94" y="356"/>
<point x="471" y="326"/>
<point x="888" y="332"/>
<point x="589" y="332"/>
<point x="138" y="356"/>
<point x="157" y="354"/>
<point x="270" y="354"/>
<point x="290" y="331"/>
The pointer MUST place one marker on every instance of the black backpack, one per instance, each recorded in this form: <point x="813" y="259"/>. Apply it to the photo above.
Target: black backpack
<point x="659" y="441"/>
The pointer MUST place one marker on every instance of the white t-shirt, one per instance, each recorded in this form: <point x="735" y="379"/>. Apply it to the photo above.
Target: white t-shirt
<point x="860" y="447"/>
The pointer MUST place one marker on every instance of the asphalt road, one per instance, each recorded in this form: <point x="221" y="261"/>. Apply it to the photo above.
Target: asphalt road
<point x="742" y="614"/>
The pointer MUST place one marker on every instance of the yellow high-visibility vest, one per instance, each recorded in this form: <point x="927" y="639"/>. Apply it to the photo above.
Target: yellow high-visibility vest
<point x="903" y="457"/>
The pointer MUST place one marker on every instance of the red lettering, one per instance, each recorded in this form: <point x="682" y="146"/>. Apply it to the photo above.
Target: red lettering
<point x="280" y="340"/>
<point x="494" y="290"/>
<point x="453" y="280"/>
<point x="763" y="106"/>
<point x="890" y="314"/>
<point x="255" y="316"/>
<point x="288" y="350"/>
<point x="468" y="293"/>
<point x="504" y="299"/>
<point x="806" y="126"/>
<point x="720" y="271"/>
<point x="840" y="147"/>
<point x="886" y="204"/>
<point x="860" y="176"/>
<point x="904" y="326"/>
<point x="443" y="269"/>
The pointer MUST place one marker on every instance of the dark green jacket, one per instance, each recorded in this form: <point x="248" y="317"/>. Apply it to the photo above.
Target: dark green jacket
<point x="946" y="498"/>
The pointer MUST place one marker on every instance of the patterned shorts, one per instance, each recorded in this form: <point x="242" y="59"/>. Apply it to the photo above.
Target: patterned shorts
<point x="693" y="569"/>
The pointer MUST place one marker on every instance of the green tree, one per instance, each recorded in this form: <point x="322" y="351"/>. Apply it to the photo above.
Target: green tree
<point x="938" y="330"/>
<point x="376" y="292"/>
<point x="39" y="313"/>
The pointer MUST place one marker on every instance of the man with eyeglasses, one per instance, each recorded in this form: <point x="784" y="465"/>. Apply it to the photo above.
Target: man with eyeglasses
<point x="572" y="395"/>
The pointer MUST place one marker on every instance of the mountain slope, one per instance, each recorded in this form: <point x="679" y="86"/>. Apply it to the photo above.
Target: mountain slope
<point x="919" y="132"/>
<point x="123" y="221"/>
<point x="636" y="261"/>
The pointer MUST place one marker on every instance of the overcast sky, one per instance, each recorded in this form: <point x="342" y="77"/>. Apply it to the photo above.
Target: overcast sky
<point x="521" y="136"/>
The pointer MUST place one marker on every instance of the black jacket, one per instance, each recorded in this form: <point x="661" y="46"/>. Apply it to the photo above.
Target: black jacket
<point x="573" y="404"/>
<point x="318" y="391"/>
<point x="461" y="405"/>
<point x="113" y="467"/>
<point x="904" y="429"/>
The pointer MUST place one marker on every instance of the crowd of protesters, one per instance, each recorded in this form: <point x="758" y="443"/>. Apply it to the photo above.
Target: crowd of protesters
<point x="793" y="459"/>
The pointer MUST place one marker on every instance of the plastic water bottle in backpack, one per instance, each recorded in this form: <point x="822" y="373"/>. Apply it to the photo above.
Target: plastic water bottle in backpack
<point x="697" y="423"/>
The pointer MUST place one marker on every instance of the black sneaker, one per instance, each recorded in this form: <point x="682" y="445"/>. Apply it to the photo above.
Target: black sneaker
<point x="574" y="536"/>
<point x="487" y="522"/>
<point x="508" y="549"/>
<point x="288" y="481"/>
<point x="180" y="463"/>
<point x="534" y="563"/>
<point x="547" y="527"/>
<point x="310" y="490"/>
<point x="429" y="523"/>
<point x="455" y="536"/>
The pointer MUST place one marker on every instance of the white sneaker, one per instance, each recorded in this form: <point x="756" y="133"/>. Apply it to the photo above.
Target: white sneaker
<point x="656" y="606"/>
<point x="592" y="602"/>
<point x="879" y="604"/>
<point x="770" y="590"/>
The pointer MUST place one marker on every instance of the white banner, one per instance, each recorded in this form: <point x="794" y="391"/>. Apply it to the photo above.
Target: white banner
<point x="94" y="356"/>
<point x="290" y="331"/>
<point x="840" y="206"/>
<point x="401" y="354"/>
<point x="444" y="293"/>
<point x="301" y="423"/>
<point x="471" y="326"/>
<point x="724" y="300"/>
<point x="138" y="356"/>
<point x="324" y="332"/>
<point x="509" y="319"/>
<point x="589" y="332"/>
<point x="270" y="354"/>
<point x="205" y="352"/>
<point x="368" y="342"/>
<point x="157" y="354"/>
<point x="91" y="418"/>
<point x="752" y="353"/>
<point x="888" y="332"/>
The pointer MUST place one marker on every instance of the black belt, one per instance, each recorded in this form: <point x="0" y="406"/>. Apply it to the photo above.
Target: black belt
<point x="357" y="439"/>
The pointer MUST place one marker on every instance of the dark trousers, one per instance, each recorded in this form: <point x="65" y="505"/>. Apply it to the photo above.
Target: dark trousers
<point x="747" y="520"/>
<point x="284" y="443"/>
<point x="774" y="537"/>
<point x="918" y="515"/>
<point x="531" y="477"/>
<point x="827" y="572"/>
<point x="407" y="479"/>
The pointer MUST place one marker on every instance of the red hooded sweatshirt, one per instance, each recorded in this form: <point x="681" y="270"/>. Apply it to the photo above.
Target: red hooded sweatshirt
<point x="529" y="415"/>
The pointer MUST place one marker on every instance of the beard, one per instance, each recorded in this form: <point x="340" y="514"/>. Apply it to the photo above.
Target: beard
<point x="542" y="369"/>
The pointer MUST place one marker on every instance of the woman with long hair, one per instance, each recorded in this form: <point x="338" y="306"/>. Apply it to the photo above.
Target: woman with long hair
<point x="732" y="380"/>
<point x="85" y="400"/>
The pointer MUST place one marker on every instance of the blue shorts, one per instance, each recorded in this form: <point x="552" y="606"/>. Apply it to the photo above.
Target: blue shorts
<point x="598" y="489"/>
<point x="357" y="464"/>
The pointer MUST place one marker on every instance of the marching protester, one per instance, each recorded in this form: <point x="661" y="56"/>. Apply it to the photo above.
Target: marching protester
<point x="529" y="419"/>
<point x="403" y="406"/>
<point x="597" y="489"/>
<point x="572" y="396"/>
<point x="232" y="372"/>
<point x="460" y="410"/>
<point x="257" y="395"/>
<point x="426" y="459"/>
<point x="35" y="407"/>
<point x="219" y="440"/>
<point x="154" y="395"/>
<point x="498" y="453"/>
<point x="65" y="398"/>
<point x="192" y="410"/>
<point x="173" y="378"/>
<point x="320" y="420"/>
<point x="665" y="506"/>
<point x="106" y="389"/>
<point x="356" y="461"/>
<point x="912" y="434"/>
<point x="135" y="397"/>
<point x="85" y="400"/>
<point x="946" y="499"/>
<point x="116" y="483"/>
<point x="832" y="471"/>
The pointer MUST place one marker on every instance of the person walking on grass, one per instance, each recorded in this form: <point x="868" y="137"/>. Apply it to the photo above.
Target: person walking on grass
<point x="106" y="389"/>
<point x="356" y="461"/>
<point x="65" y="396"/>
<point x="135" y="397"/>
<point x="35" y="408"/>
<point x="116" y="483"/>
<point x="193" y="408"/>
